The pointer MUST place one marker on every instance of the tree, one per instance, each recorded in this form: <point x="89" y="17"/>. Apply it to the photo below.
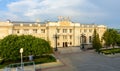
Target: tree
<point x="118" y="40"/>
<point x="96" y="41"/>
<point x="110" y="37"/>
<point x="11" y="44"/>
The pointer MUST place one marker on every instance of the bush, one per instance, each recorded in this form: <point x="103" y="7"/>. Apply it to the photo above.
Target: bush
<point x="44" y="59"/>
<point x="10" y="46"/>
<point x="1" y="61"/>
<point x="110" y="51"/>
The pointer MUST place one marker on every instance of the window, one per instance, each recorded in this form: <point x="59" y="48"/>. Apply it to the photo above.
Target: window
<point x="90" y="39"/>
<point x="58" y="30"/>
<point x="64" y="30"/>
<point x="34" y="30"/>
<point x="83" y="39"/>
<point x="70" y="30"/>
<point x="26" y="31"/>
<point x="90" y="30"/>
<point x="42" y="30"/>
<point x="64" y="36"/>
<point x="70" y="36"/>
<point x="70" y="43"/>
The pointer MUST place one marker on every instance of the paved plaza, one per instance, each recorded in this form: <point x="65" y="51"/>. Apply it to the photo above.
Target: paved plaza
<point x="86" y="61"/>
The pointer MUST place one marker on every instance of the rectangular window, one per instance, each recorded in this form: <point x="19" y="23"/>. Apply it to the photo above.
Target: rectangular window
<point x="90" y="39"/>
<point x="70" y="36"/>
<point x="70" y="30"/>
<point x="64" y="30"/>
<point x="42" y="30"/>
<point x="26" y="31"/>
<point x="34" y="30"/>
<point x="64" y="36"/>
<point x="58" y="30"/>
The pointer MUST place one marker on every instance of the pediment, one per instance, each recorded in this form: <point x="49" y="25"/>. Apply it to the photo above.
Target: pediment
<point x="64" y="23"/>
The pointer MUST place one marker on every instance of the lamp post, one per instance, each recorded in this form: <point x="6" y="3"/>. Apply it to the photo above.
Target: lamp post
<point x="21" y="51"/>
<point x="82" y="35"/>
<point x="56" y="49"/>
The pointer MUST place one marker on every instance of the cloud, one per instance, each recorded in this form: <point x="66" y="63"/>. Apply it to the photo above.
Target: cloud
<point x="85" y="11"/>
<point x="39" y="8"/>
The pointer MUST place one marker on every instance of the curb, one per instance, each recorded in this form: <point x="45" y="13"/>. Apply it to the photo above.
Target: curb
<point x="111" y="55"/>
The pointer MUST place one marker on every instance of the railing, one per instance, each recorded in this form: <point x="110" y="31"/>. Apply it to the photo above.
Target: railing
<point x="27" y="66"/>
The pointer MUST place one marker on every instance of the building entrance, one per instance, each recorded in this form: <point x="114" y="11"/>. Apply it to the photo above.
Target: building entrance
<point x="65" y="44"/>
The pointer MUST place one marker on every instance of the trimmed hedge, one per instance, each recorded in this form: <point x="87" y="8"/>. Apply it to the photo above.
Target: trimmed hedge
<point x="44" y="59"/>
<point x="37" y="60"/>
<point x="110" y="51"/>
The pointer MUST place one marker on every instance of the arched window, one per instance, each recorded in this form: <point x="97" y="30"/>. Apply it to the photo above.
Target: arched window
<point x="84" y="39"/>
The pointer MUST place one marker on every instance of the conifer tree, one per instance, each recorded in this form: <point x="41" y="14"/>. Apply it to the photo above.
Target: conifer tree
<point x="96" y="41"/>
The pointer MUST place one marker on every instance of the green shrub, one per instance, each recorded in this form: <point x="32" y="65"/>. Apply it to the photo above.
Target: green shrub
<point x="1" y="61"/>
<point x="44" y="59"/>
<point x="11" y="44"/>
<point x="110" y="51"/>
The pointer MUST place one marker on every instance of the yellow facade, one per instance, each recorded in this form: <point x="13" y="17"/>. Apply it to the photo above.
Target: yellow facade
<point x="67" y="32"/>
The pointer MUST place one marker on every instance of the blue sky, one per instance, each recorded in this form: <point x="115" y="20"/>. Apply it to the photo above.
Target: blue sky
<point x="104" y="12"/>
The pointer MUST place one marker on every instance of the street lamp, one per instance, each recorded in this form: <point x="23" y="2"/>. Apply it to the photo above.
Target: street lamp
<point x="82" y="36"/>
<point x="56" y="49"/>
<point x="21" y="51"/>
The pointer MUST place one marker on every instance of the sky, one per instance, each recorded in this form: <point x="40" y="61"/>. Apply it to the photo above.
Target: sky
<point x="105" y="12"/>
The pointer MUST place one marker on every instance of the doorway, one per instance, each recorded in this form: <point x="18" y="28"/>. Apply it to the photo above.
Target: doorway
<point x="65" y="44"/>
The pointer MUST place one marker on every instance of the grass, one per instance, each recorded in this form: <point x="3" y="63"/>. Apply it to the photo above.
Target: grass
<point x="110" y="51"/>
<point x="38" y="60"/>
